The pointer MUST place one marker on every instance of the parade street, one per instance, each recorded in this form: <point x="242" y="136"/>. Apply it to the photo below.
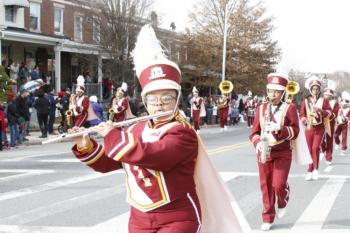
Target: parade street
<point x="44" y="188"/>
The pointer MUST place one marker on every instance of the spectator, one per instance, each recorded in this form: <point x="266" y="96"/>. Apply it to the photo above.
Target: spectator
<point x="41" y="104"/>
<point x="7" y="68"/>
<point x="23" y="74"/>
<point x="2" y="124"/>
<point x="35" y="74"/>
<point x="98" y="110"/>
<point x="12" y="120"/>
<point x="52" y="112"/>
<point x="24" y="114"/>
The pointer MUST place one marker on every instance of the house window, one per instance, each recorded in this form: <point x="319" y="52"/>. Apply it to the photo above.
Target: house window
<point x="78" y="28"/>
<point x="10" y="14"/>
<point x="34" y="22"/>
<point x="58" y="23"/>
<point x="96" y="30"/>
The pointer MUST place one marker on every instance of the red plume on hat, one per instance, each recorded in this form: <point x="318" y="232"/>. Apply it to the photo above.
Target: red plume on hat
<point x="154" y="70"/>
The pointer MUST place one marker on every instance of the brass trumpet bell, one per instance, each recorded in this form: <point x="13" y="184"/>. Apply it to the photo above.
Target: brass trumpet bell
<point x="292" y="88"/>
<point x="226" y="87"/>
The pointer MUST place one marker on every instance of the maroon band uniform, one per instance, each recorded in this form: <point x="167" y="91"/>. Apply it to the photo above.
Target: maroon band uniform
<point x="274" y="173"/>
<point x="327" y="145"/>
<point x="119" y="108"/>
<point x="196" y="104"/>
<point x="223" y="104"/>
<point x="155" y="188"/>
<point x="250" y="108"/>
<point x="315" y="134"/>
<point x="342" y="128"/>
<point x="80" y="109"/>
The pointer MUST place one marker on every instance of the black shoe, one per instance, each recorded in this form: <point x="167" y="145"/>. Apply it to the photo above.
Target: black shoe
<point x="25" y="139"/>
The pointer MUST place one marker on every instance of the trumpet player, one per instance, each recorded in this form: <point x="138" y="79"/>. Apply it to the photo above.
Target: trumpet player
<point x="120" y="105"/>
<point x="161" y="156"/>
<point x="197" y="108"/>
<point x="281" y="127"/>
<point x="342" y="122"/>
<point x="223" y="103"/>
<point x="315" y="112"/>
<point x="327" y="146"/>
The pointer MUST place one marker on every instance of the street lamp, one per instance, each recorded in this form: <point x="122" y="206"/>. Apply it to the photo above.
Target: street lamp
<point x="224" y="46"/>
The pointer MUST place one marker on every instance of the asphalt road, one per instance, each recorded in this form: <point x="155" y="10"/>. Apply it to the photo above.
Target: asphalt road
<point x="43" y="188"/>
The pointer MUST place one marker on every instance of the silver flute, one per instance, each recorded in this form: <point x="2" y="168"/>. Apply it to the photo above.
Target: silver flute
<point x="116" y="124"/>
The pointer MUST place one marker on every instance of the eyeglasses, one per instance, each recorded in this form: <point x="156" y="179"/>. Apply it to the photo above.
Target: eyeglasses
<point x="164" y="99"/>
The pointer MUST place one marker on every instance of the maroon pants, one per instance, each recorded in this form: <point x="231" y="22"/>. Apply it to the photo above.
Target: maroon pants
<point x="273" y="183"/>
<point x="314" y="137"/>
<point x="182" y="216"/>
<point x="343" y="130"/>
<point x="327" y="144"/>
<point x="250" y="121"/>
<point x="196" y="119"/>
<point x="223" y="114"/>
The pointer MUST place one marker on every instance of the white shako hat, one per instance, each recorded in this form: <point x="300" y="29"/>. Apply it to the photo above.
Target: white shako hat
<point x="194" y="90"/>
<point x="123" y="87"/>
<point x="312" y="81"/>
<point x="153" y="69"/>
<point x="276" y="81"/>
<point x="345" y="96"/>
<point x="329" y="90"/>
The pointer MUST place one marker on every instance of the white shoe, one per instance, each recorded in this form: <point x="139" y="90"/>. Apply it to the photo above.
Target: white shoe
<point x="281" y="212"/>
<point x="315" y="175"/>
<point x="266" y="226"/>
<point x="342" y="153"/>
<point x="225" y="128"/>
<point x="308" y="176"/>
<point x="321" y="156"/>
<point x="336" y="147"/>
<point x="328" y="163"/>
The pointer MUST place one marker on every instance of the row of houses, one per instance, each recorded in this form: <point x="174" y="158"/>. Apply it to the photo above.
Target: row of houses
<point x="61" y="38"/>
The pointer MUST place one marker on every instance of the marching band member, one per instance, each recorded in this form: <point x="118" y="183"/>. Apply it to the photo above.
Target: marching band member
<point x="328" y="141"/>
<point x="250" y="107"/>
<point x="275" y="126"/>
<point x="79" y="104"/>
<point x="167" y="168"/>
<point x="314" y="114"/>
<point x="197" y="108"/>
<point x="120" y="105"/>
<point x="342" y="120"/>
<point x="223" y="103"/>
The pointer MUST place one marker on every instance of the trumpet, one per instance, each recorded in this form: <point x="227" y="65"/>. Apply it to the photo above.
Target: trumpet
<point x="292" y="89"/>
<point x="116" y="124"/>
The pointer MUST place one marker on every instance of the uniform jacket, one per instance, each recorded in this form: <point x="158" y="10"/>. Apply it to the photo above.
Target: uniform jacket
<point x="159" y="162"/>
<point x="79" y="104"/>
<point x="287" y="117"/>
<point x="119" y="108"/>
<point x="306" y="108"/>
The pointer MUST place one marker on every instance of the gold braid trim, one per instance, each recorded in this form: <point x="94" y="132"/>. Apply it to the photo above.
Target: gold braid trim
<point x="181" y="119"/>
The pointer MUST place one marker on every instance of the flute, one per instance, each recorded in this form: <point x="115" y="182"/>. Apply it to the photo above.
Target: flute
<point x="115" y="124"/>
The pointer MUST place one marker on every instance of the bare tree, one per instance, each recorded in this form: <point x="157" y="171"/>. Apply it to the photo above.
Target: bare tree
<point x="251" y="53"/>
<point x="116" y="25"/>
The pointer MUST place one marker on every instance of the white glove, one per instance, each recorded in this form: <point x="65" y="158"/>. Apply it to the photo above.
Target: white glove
<point x="258" y="147"/>
<point x="272" y="126"/>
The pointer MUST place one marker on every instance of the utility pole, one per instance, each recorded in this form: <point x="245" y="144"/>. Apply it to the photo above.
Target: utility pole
<point x="224" y="45"/>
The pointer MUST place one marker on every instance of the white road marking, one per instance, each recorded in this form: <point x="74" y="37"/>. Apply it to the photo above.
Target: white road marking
<point x="317" y="211"/>
<point x="328" y="169"/>
<point x="72" y="160"/>
<point x="34" y="155"/>
<point x="52" y="185"/>
<point x="61" y="206"/>
<point x="119" y="224"/>
<point x="22" y="173"/>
